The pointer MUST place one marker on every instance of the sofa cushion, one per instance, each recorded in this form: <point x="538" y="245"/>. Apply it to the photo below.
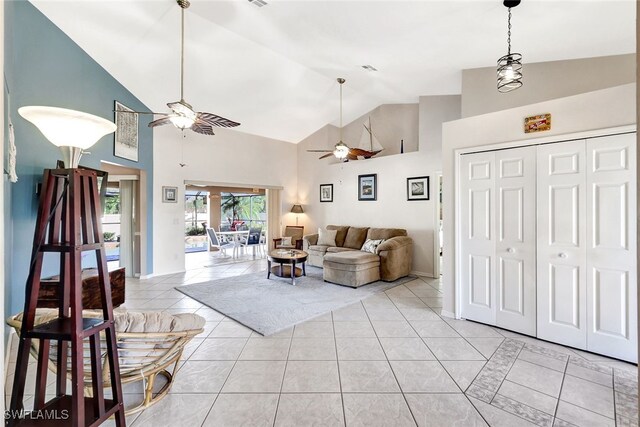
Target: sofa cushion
<point x="356" y="237"/>
<point x="385" y="233"/>
<point x="339" y="249"/>
<point x="352" y="258"/>
<point x="318" y="248"/>
<point x="341" y="235"/>
<point x="327" y="237"/>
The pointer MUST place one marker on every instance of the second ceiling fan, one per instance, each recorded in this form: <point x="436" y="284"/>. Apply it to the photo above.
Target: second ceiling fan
<point x="342" y="151"/>
<point x="182" y="115"/>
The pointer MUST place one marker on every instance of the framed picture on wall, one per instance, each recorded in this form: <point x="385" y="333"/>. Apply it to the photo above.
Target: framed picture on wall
<point x="368" y="187"/>
<point x="125" y="140"/>
<point x="169" y="194"/>
<point x="418" y="188"/>
<point x="326" y="192"/>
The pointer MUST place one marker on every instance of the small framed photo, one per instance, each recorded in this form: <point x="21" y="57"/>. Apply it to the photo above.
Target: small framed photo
<point x="125" y="140"/>
<point x="326" y="192"/>
<point x="418" y="188"/>
<point x="169" y="194"/>
<point x="368" y="187"/>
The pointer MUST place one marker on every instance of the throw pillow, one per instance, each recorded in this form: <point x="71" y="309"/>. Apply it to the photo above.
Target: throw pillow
<point x="327" y="237"/>
<point x="286" y="241"/>
<point x="371" y="245"/>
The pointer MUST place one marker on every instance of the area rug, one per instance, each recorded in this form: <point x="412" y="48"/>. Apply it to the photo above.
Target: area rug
<point x="270" y="305"/>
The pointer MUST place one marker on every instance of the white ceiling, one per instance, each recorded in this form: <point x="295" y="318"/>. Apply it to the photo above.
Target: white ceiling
<point x="273" y="68"/>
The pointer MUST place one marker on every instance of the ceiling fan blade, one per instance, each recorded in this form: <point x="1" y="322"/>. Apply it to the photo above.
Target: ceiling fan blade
<point x="202" y="128"/>
<point x="140" y="112"/>
<point x="319" y="151"/>
<point x="326" y="155"/>
<point x="351" y="157"/>
<point x="159" y="122"/>
<point x="215" y="120"/>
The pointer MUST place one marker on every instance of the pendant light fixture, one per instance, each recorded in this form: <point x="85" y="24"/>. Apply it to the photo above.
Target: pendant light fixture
<point x="341" y="150"/>
<point x="510" y="65"/>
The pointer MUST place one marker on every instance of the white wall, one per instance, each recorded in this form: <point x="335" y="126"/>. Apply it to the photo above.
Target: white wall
<point x="544" y="81"/>
<point x="229" y="157"/>
<point x="589" y="111"/>
<point x="392" y="208"/>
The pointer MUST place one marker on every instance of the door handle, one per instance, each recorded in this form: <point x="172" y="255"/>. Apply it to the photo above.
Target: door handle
<point x="511" y="250"/>
<point x="562" y="255"/>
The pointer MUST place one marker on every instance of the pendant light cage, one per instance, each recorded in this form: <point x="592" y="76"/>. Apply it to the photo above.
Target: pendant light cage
<point x="509" y="70"/>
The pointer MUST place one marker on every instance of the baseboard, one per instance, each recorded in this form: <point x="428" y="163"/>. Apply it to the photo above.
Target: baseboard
<point x="146" y="276"/>
<point x="422" y="273"/>
<point x="169" y="273"/>
<point x="446" y="313"/>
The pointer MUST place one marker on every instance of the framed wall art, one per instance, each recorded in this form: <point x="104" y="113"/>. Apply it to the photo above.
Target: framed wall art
<point x="326" y="192"/>
<point x="169" y="194"/>
<point x="418" y="188"/>
<point x="125" y="141"/>
<point x="368" y="187"/>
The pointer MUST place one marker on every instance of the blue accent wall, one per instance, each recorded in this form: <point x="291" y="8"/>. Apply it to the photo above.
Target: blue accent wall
<point x="43" y="66"/>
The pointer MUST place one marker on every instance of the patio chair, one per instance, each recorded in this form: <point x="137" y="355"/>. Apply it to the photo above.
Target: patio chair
<point x="219" y="244"/>
<point x="149" y="344"/>
<point x="254" y="240"/>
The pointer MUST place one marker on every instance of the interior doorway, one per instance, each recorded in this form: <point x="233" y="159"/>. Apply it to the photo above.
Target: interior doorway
<point x="122" y="220"/>
<point x="222" y="224"/>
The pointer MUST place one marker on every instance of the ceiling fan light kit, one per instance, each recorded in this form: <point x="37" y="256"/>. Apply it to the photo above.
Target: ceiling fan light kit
<point x="509" y="71"/>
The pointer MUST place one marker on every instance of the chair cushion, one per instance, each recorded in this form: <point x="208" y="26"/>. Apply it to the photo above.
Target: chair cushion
<point x="337" y="249"/>
<point x="342" y="233"/>
<point x="286" y="241"/>
<point x="327" y="237"/>
<point x="371" y="246"/>
<point x="385" y="233"/>
<point x="356" y="237"/>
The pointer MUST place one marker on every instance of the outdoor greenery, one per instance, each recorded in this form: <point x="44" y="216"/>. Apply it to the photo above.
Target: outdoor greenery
<point x="242" y="207"/>
<point x="194" y="231"/>
<point x="112" y="204"/>
<point x="109" y="236"/>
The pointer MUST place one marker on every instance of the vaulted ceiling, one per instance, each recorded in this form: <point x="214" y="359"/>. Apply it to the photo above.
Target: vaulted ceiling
<point x="273" y="68"/>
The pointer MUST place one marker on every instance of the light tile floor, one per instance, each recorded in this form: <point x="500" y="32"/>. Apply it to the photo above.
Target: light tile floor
<point x="390" y="360"/>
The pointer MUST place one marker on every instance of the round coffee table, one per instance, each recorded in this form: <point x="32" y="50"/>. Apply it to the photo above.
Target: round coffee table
<point x="287" y="260"/>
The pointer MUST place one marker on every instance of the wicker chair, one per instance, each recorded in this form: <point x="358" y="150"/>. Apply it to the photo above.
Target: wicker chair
<point x="142" y="357"/>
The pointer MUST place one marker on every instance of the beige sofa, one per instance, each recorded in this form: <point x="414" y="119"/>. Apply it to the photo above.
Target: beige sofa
<point x="346" y="264"/>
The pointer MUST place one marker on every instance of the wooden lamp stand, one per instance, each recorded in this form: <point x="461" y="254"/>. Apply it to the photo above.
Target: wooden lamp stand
<point x="68" y="223"/>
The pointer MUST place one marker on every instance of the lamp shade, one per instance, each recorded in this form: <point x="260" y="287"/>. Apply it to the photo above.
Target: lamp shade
<point x="341" y="150"/>
<point x="68" y="128"/>
<point x="297" y="209"/>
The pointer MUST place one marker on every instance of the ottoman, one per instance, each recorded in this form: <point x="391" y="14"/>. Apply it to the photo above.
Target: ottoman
<point x="351" y="268"/>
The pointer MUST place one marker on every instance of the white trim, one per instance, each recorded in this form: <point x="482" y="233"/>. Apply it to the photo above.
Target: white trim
<point x="446" y="313"/>
<point x="146" y="276"/>
<point x="228" y="184"/>
<point x="436" y="231"/>
<point x="166" y="274"/>
<point x="118" y="178"/>
<point x="498" y="146"/>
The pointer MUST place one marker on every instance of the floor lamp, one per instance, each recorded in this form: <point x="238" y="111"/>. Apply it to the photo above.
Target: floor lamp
<point x="68" y="223"/>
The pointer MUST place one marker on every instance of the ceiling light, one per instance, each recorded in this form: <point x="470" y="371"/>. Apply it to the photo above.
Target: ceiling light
<point x="369" y="68"/>
<point x="341" y="150"/>
<point x="510" y="65"/>
<point x="258" y="3"/>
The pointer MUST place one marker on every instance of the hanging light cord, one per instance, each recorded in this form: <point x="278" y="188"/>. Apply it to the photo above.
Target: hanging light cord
<point x="509" y="34"/>
<point x="182" y="58"/>
<point x="340" y="112"/>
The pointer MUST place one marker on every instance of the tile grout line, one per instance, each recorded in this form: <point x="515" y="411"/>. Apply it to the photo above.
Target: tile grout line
<point x="284" y="374"/>
<point x="389" y="362"/>
<point x="335" y="344"/>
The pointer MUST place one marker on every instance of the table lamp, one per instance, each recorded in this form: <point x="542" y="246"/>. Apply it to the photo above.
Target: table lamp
<point x="297" y="209"/>
<point x="72" y="131"/>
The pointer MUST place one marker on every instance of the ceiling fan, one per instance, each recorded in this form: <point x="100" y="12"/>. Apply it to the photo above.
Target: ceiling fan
<point x="342" y="151"/>
<point x="182" y="115"/>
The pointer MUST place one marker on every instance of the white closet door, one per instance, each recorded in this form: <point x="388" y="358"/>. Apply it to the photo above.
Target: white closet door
<point x="611" y="279"/>
<point x="478" y="237"/>
<point x="515" y="218"/>
<point x="561" y="251"/>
